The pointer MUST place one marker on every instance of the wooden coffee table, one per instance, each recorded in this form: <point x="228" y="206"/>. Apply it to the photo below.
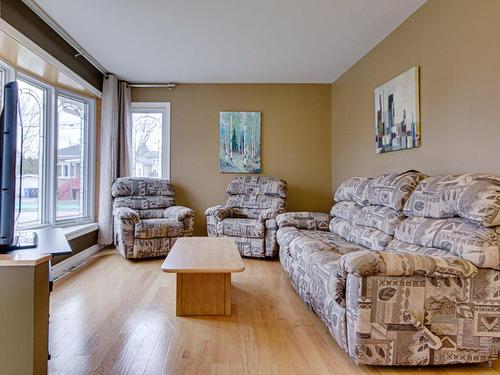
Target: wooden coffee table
<point x="203" y="266"/>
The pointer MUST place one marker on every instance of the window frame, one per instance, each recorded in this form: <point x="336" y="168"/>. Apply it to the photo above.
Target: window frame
<point x="49" y="173"/>
<point x="89" y="154"/>
<point x="43" y="196"/>
<point x="157" y="107"/>
<point x="9" y="76"/>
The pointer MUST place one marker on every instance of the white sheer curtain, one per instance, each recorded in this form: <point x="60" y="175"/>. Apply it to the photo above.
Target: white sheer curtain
<point x="114" y="149"/>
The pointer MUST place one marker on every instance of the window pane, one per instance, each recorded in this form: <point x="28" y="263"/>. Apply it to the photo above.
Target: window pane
<point x="71" y="163"/>
<point x="32" y="103"/>
<point x="146" y="144"/>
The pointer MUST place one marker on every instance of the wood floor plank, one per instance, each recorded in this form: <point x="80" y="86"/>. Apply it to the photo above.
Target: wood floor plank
<point x="114" y="316"/>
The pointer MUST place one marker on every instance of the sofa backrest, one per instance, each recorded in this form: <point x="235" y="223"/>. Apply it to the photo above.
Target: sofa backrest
<point x="458" y="214"/>
<point x="392" y="189"/>
<point x="148" y="196"/>
<point x="368" y="210"/>
<point x="473" y="196"/>
<point x="249" y="195"/>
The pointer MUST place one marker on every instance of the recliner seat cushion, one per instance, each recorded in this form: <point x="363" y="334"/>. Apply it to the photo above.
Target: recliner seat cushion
<point x="473" y="196"/>
<point x="152" y="213"/>
<point x="152" y="247"/>
<point x="460" y="237"/>
<point x="155" y="228"/>
<point x="144" y="203"/>
<point x="251" y="228"/>
<point x="250" y="247"/>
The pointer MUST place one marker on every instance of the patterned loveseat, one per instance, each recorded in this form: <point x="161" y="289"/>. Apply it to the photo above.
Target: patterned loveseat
<point x="146" y="220"/>
<point x="405" y="271"/>
<point x="248" y="216"/>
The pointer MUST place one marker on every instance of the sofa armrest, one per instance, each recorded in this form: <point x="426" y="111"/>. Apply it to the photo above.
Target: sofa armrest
<point x="219" y="212"/>
<point x="270" y="213"/>
<point x="178" y="212"/>
<point x="304" y="220"/>
<point x="384" y="263"/>
<point x="124" y="213"/>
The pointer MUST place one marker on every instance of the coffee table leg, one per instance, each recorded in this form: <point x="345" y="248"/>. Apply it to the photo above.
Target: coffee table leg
<point x="203" y="294"/>
<point x="227" y="286"/>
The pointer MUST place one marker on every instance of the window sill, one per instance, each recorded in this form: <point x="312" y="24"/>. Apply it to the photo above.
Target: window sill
<point x="75" y="231"/>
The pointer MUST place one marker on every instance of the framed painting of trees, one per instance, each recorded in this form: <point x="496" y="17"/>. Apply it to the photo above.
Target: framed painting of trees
<point x="239" y="142"/>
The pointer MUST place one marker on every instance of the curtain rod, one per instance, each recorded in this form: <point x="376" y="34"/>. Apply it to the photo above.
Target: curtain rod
<point x="167" y="85"/>
<point x="80" y="51"/>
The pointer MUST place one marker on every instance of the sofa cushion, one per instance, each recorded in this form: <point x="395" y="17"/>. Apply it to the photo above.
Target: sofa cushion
<point x="304" y="220"/>
<point x="347" y="210"/>
<point x="286" y="235"/>
<point x="392" y="189"/>
<point x="241" y="227"/>
<point x="460" y="237"/>
<point x="301" y="240"/>
<point x="379" y="217"/>
<point x="353" y="189"/>
<point x="473" y="196"/>
<point x="368" y="237"/>
<point x="154" y="228"/>
<point x="398" y="246"/>
<point x="382" y="218"/>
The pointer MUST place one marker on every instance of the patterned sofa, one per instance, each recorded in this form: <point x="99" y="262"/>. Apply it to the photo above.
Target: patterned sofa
<point x="248" y="216"/>
<point x="405" y="270"/>
<point x="146" y="220"/>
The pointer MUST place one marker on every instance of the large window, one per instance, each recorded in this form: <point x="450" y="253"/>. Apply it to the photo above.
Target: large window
<point x="72" y="157"/>
<point x="55" y="144"/>
<point x="150" y="140"/>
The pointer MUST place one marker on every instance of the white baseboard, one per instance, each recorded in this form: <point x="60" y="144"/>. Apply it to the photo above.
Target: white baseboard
<point x="60" y="268"/>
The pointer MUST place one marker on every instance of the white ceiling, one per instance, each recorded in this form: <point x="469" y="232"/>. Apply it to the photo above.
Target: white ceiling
<point x="295" y="41"/>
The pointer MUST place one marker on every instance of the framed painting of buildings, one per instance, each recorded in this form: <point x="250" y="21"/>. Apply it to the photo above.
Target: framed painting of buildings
<point x="397" y="113"/>
<point x="239" y="142"/>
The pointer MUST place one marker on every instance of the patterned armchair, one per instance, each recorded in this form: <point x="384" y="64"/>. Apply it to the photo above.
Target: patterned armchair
<point x="248" y="216"/>
<point x="146" y="220"/>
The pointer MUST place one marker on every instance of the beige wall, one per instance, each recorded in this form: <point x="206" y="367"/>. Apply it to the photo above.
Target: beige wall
<point x="296" y="142"/>
<point x="456" y="44"/>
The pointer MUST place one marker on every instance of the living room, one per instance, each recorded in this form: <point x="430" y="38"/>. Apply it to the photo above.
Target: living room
<point x="250" y="187"/>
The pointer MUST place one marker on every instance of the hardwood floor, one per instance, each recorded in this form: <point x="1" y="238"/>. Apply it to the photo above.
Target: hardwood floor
<point x="113" y="316"/>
